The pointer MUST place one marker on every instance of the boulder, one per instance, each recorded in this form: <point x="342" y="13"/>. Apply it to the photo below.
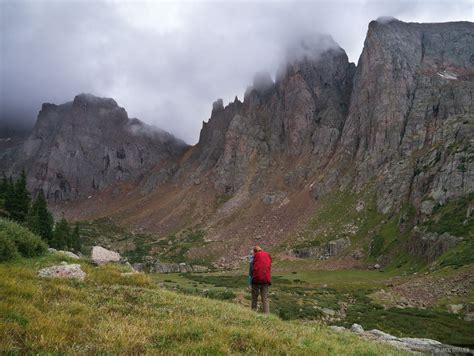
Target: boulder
<point x="328" y="312"/>
<point x="427" y="207"/>
<point x="197" y="268"/>
<point x="68" y="254"/>
<point x="356" y="328"/>
<point x="72" y="271"/>
<point x="455" y="308"/>
<point x="337" y="328"/>
<point x="336" y="246"/>
<point x="413" y="344"/>
<point x="140" y="267"/>
<point x="102" y="256"/>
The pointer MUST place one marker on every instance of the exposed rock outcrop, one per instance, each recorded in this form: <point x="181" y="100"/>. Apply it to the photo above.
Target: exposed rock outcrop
<point x="161" y="267"/>
<point x="408" y="343"/>
<point x="409" y="127"/>
<point x="82" y="146"/>
<point x="430" y="245"/>
<point x="331" y="249"/>
<point x="72" y="271"/>
<point x="303" y="112"/>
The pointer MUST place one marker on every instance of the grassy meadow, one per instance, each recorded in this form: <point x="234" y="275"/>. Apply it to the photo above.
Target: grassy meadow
<point x="131" y="313"/>
<point x="303" y="295"/>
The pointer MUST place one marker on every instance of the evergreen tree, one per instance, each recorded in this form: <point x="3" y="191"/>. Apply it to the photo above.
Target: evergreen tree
<point x="21" y="200"/>
<point x="10" y="197"/>
<point x="40" y="220"/>
<point x="3" y="187"/>
<point x="3" y="193"/>
<point x="61" y="235"/>
<point x="76" y="239"/>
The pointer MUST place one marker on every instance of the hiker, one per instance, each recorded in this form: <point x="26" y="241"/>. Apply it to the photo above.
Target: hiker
<point x="260" y="277"/>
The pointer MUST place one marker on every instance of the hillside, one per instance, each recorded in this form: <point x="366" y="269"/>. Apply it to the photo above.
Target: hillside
<point x="388" y="141"/>
<point x="113" y="311"/>
<point x="78" y="148"/>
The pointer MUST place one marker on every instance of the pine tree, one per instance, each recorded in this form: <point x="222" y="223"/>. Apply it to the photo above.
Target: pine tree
<point x="21" y="201"/>
<point x="3" y="193"/>
<point x="76" y="239"/>
<point x="10" y="197"/>
<point x="3" y="187"/>
<point x="61" y="235"/>
<point x="40" y="220"/>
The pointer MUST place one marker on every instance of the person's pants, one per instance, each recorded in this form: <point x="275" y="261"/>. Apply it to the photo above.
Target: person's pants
<point x="261" y="289"/>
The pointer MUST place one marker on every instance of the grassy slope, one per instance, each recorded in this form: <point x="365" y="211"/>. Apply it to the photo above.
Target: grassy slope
<point x="300" y="295"/>
<point x="110" y="312"/>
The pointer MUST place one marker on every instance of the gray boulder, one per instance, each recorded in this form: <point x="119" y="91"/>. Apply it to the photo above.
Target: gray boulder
<point x="69" y="254"/>
<point x="356" y="328"/>
<point x="102" y="256"/>
<point x="68" y="271"/>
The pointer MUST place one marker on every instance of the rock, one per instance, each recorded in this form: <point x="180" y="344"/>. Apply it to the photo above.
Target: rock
<point x="381" y="335"/>
<point x="469" y="317"/>
<point x="427" y="207"/>
<point x="52" y="250"/>
<point x="357" y="254"/>
<point x="197" y="268"/>
<point x="160" y="267"/>
<point x="69" y="254"/>
<point x="360" y="206"/>
<point x="102" y="256"/>
<point x="328" y="312"/>
<point x="273" y="198"/>
<point x="337" y="328"/>
<point x="430" y="245"/>
<point x="72" y="271"/>
<point x="336" y="246"/>
<point x="415" y="344"/>
<point x="138" y="267"/>
<point x="356" y="328"/>
<point x="306" y="252"/>
<point x="376" y="266"/>
<point x="88" y="144"/>
<point x="455" y="308"/>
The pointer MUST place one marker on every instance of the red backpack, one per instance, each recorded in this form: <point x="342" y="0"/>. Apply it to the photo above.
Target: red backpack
<point x="262" y="268"/>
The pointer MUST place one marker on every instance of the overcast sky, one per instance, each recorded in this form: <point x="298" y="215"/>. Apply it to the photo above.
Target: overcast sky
<point x="166" y="62"/>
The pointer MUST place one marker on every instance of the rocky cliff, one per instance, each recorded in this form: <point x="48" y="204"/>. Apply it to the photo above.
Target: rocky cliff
<point x="395" y="131"/>
<point x="300" y="115"/>
<point x="410" y="122"/>
<point x="80" y="147"/>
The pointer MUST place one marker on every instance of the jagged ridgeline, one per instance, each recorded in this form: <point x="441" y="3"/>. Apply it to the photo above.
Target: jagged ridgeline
<point x="384" y="146"/>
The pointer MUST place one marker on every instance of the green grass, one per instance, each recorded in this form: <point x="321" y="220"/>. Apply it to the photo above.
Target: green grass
<point x="110" y="312"/>
<point x="301" y="295"/>
<point x="412" y="322"/>
<point x="452" y="218"/>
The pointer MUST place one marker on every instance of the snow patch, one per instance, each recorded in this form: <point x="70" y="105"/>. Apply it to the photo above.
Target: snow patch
<point x="447" y="75"/>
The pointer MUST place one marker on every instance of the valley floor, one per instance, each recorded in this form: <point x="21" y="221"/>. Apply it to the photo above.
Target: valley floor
<point x="405" y="305"/>
<point x="116" y="311"/>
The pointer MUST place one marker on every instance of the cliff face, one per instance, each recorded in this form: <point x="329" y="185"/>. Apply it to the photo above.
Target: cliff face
<point x="301" y="115"/>
<point x="410" y="122"/>
<point x="403" y="119"/>
<point x="400" y="125"/>
<point x="82" y="146"/>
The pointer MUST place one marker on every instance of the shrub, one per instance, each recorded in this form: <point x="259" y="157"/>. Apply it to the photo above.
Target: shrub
<point x="8" y="249"/>
<point x="25" y="242"/>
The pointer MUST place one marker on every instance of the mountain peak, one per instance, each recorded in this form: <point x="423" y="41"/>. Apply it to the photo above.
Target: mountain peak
<point x="90" y="99"/>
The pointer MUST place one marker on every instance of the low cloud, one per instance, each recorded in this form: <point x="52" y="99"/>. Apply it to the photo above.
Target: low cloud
<point x="166" y="63"/>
